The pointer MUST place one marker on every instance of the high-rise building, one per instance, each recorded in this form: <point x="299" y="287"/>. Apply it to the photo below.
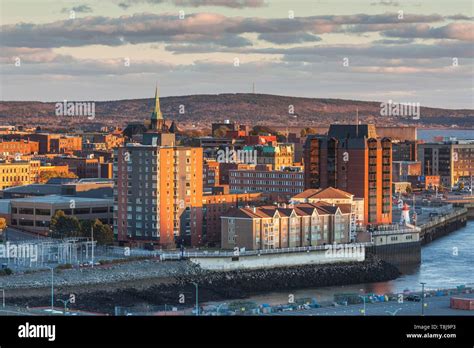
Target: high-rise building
<point x="157" y="192"/>
<point x="405" y="150"/>
<point x="158" y="189"/>
<point x="353" y="159"/>
<point x="452" y="160"/>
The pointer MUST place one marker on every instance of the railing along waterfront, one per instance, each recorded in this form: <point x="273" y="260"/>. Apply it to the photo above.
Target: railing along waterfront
<point x="218" y="253"/>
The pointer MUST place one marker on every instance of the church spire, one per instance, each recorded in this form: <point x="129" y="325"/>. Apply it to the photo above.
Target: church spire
<point x="156" y="114"/>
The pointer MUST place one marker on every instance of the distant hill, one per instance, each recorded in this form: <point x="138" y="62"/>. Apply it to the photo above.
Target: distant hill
<point x="201" y="110"/>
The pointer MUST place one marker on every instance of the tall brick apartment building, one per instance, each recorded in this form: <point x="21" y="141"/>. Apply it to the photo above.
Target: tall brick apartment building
<point x="158" y="189"/>
<point x="353" y="159"/>
<point x="158" y="195"/>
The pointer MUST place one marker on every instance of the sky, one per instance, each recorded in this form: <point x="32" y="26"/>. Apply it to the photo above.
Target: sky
<point x="418" y="51"/>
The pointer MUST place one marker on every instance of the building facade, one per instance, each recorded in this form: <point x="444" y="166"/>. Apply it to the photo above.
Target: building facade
<point x="34" y="214"/>
<point x="278" y="156"/>
<point x="15" y="174"/>
<point x="158" y="195"/>
<point x="214" y="206"/>
<point x="352" y="158"/>
<point x="451" y="160"/>
<point x="275" y="184"/>
<point x="334" y="196"/>
<point x="22" y="147"/>
<point x="273" y="227"/>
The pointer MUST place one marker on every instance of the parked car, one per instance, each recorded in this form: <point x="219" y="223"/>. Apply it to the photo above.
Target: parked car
<point x="413" y="298"/>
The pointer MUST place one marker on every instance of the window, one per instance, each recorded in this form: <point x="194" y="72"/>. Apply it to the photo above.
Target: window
<point x="43" y="212"/>
<point x="100" y="210"/>
<point x="81" y="211"/>
<point x="28" y="211"/>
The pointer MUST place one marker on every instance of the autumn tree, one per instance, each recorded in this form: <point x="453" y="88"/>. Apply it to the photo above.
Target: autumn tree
<point x="3" y="226"/>
<point x="46" y="175"/>
<point x="220" y="132"/>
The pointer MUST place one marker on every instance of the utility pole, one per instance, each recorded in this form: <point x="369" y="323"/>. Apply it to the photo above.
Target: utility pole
<point x="422" y="298"/>
<point x="52" y="288"/>
<point x="197" y="301"/>
<point x="92" y="238"/>
<point x="470" y="186"/>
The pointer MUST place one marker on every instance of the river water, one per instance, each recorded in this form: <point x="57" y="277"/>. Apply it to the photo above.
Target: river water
<point x="446" y="263"/>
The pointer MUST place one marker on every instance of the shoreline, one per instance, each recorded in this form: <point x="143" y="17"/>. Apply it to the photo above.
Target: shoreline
<point x="213" y="285"/>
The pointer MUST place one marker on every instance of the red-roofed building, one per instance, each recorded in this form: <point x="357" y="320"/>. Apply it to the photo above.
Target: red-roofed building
<point x="331" y="195"/>
<point x="285" y="226"/>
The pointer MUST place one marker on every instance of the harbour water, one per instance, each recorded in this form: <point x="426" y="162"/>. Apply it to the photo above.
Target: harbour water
<point x="429" y="134"/>
<point x="446" y="263"/>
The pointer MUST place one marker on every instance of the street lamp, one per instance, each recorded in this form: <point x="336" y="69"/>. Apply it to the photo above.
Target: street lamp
<point x="65" y="302"/>
<point x="92" y="238"/>
<point x="52" y="288"/>
<point x="197" y="302"/>
<point x="422" y="298"/>
<point x="3" y="297"/>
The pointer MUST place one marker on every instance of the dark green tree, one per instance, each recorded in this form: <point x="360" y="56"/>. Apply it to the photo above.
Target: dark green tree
<point x="103" y="234"/>
<point x="63" y="226"/>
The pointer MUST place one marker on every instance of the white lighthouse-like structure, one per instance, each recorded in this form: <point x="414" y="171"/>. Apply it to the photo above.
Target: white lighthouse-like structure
<point x="405" y="217"/>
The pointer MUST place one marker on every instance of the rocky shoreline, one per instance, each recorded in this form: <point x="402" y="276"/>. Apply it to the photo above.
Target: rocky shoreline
<point x="213" y="286"/>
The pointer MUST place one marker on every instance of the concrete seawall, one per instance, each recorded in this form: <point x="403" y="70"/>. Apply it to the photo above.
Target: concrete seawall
<point x="332" y="255"/>
<point x="441" y="226"/>
<point x="401" y="255"/>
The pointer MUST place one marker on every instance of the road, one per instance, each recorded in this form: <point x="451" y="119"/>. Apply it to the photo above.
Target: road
<point x="433" y="306"/>
<point x="15" y="235"/>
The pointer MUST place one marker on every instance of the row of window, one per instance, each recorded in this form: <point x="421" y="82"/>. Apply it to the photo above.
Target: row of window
<point x="266" y="175"/>
<point x="76" y="211"/>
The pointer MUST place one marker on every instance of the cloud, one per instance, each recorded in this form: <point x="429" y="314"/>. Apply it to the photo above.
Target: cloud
<point x="9" y="55"/>
<point x="385" y="3"/>
<point x="135" y="29"/>
<point x="237" y="4"/>
<point x="454" y="31"/>
<point x="288" y="38"/>
<point x="337" y="52"/>
<point x="78" y="9"/>
<point x="198" y="27"/>
<point x="392" y="42"/>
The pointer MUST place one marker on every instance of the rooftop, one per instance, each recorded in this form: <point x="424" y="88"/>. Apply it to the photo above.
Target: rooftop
<point x="56" y="199"/>
<point x="303" y="209"/>
<point x="327" y="193"/>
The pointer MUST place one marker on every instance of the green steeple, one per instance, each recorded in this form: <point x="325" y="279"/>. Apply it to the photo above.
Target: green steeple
<point x="156" y="114"/>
